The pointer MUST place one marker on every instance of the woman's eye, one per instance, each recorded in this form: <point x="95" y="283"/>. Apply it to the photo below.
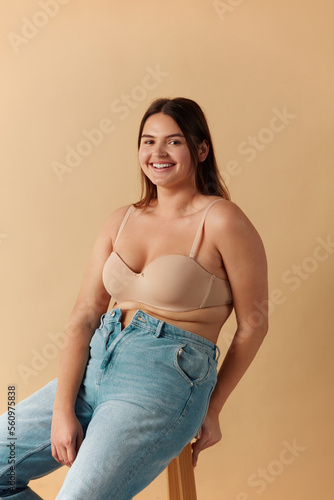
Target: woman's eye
<point x="149" y="142"/>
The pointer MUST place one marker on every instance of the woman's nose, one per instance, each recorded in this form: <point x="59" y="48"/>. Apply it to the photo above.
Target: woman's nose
<point x="160" y="150"/>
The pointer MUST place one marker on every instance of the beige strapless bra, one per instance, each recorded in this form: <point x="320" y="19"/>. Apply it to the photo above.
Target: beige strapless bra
<point x="170" y="282"/>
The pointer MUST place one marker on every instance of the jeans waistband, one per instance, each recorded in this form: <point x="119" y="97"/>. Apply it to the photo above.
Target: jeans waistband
<point x="160" y="328"/>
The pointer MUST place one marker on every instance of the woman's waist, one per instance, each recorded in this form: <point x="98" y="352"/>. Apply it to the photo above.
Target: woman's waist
<point x="205" y="322"/>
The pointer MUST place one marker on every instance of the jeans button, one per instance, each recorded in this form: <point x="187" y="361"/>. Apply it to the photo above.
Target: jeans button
<point x="112" y="314"/>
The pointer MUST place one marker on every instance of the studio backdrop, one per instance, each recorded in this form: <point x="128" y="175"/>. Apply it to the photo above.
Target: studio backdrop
<point x="77" y="77"/>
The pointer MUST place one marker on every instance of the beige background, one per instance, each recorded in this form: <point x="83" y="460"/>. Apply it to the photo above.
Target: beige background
<point x="245" y="62"/>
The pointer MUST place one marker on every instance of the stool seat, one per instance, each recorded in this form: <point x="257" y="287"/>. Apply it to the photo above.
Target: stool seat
<point x="180" y="476"/>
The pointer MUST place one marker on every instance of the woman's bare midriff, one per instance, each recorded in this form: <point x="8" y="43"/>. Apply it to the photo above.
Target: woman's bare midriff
<point x="206" y="322"/>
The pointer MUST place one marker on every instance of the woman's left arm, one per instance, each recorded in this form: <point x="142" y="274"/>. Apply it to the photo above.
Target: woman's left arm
<point x="245" y="261"/>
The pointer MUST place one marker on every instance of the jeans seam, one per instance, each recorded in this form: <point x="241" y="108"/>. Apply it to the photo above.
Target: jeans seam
<point x="28" y="454"/>
<point x="115" y="355"/>
<point x="207" y="406"/>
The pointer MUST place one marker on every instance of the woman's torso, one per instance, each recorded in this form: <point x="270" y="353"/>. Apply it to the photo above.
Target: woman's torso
<point x="156" y="243"/>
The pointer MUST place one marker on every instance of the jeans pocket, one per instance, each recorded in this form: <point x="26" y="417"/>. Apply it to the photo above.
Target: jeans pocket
<point x="192" y="363"/>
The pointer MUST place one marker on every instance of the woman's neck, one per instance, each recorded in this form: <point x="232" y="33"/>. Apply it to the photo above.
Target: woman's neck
<point x="177" y="204"/>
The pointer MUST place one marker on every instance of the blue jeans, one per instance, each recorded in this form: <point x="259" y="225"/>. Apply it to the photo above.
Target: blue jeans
<point x="143" y="397"/>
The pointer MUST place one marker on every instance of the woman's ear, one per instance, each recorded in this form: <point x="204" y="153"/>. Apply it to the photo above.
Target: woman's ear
<point x="203" y="150"/>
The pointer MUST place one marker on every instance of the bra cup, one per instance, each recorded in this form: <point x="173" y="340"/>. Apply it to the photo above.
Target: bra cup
<point x="116" y="276"/>
<point x="175" y="280"/>
<point x="170" y="282"/>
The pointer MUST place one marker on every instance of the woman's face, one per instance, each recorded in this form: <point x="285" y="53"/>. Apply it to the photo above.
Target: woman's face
<point x="164" y="154"/>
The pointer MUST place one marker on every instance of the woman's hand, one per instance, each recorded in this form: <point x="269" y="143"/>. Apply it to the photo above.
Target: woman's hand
<point x="208" y="435"/>
<point x="66" y="436"/>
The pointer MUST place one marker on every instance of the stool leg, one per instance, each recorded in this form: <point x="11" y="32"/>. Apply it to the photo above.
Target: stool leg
<point x="181" y="479"/>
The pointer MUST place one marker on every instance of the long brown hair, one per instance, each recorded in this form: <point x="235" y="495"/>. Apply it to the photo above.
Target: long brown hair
<point x="191" y="120"/>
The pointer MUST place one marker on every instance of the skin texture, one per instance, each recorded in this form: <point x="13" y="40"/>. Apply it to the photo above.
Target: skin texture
<point x="231" y="248"/>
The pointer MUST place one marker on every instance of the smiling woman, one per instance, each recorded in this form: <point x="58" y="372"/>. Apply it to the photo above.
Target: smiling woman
<point x="186" y="121"/>
<point x="138" y="380"/>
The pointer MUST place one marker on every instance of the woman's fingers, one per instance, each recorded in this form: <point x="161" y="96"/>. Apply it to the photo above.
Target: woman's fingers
<point x="69" y="455"/>
<point x="54" y="453"/>
<point x="208" y="435"/>
<point x="197" y="447"/>
<point x="64" y="455"/>
<point x="66" y="437"/>
<point x="199" y="434"/>
<point x="80" y="436"/>
<point x="200" y="445"/>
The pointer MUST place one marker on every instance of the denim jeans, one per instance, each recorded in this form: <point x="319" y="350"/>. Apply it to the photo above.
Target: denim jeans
<point x="143" y="397"/>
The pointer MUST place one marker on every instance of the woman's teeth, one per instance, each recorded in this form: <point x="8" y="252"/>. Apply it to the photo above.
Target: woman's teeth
<point x="162" y="165"/>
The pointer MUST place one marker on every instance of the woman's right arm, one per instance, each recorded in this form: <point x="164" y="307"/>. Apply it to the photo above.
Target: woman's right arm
<point x="92" y="302"/>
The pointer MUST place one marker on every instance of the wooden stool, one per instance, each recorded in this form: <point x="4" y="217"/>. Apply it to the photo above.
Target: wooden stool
<point x="181" y="479"/>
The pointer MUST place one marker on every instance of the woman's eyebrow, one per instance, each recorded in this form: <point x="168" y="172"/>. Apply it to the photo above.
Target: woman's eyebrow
<point x="167" y="136"/>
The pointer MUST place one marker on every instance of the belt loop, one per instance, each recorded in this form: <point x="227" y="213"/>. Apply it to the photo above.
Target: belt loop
<point x="111" y="331"/>
<point x="102" y="321"/>
<point x="158" y="329"/>
<point x="217" y="352"/>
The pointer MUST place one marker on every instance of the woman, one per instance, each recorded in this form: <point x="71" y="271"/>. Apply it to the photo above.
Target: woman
<point x="130" y="396"/>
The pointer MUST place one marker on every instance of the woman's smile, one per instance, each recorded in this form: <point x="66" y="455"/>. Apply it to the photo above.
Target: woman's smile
<point x="162" y="166"/>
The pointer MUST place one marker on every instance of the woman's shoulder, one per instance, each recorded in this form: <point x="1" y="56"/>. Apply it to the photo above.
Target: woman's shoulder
<point x="114" y="220"/>
<point x="118" y="213"/>
<point x="224" y="210"/>
<point x="226" y="215"/>
<point x="230" y="228"/>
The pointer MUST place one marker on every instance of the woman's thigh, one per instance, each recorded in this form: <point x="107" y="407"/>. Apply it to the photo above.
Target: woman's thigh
<point x="30" y="447"/>
<point x="144" y="396"/>
<point x="151" y="390"/>
<point x="125" y="448"/>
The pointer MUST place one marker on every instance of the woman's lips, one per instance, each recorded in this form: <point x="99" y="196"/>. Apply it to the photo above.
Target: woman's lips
<point x="162" y="166"/>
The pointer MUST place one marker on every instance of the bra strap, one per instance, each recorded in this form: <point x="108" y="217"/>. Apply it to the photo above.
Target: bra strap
<point x="124" y="221"/>
<point x="198" y="235"/>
